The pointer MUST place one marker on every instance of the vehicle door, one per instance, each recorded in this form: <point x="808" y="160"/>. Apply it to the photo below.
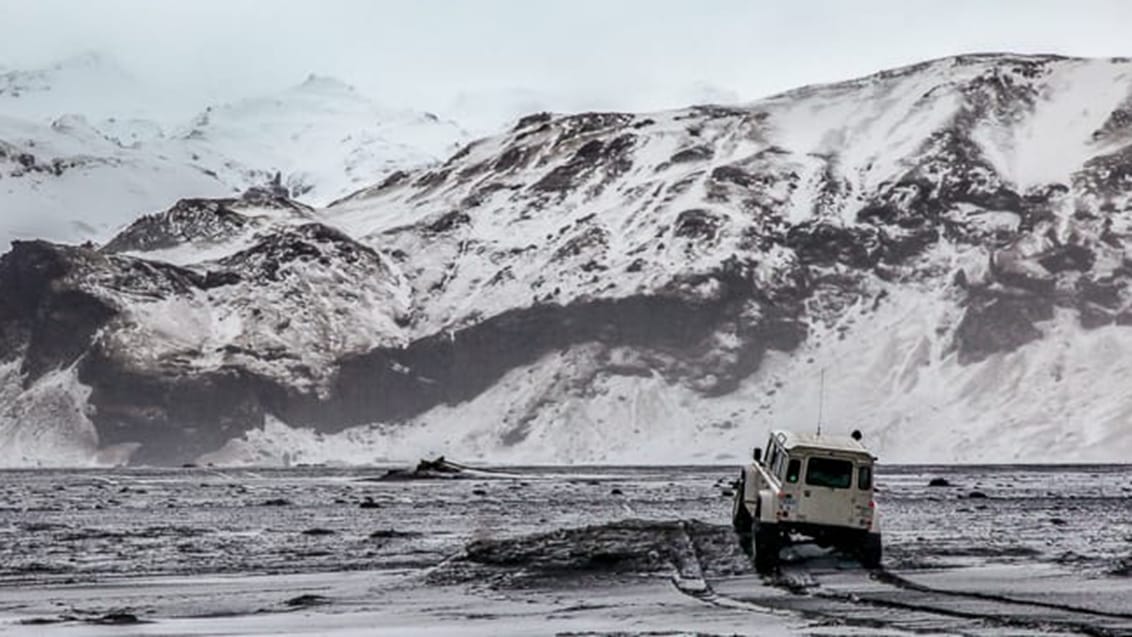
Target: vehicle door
<point x="827" y="491"/>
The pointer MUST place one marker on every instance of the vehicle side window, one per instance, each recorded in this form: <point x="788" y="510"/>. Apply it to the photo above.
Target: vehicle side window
<point x="864" y="477"/>
<point x="793" y="470"/>
<point x="772" y="459"/>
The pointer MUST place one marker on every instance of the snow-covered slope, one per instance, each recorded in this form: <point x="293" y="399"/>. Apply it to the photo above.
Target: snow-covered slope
<point x="69" y="181"/>
<point x="326" y="139"/>
<point x="85" y="147"/>
<point x="949" y="241"/>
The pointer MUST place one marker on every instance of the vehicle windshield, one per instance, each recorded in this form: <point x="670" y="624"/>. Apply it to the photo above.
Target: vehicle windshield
<point x="829" y="472"/>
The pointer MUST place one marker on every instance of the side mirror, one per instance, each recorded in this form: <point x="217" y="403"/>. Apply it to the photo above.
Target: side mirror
<point x="758" y="454"/>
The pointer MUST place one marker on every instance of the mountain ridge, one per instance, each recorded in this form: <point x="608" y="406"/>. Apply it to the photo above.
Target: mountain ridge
<point x="95" y="164"/>
<point x="616" y="287"/>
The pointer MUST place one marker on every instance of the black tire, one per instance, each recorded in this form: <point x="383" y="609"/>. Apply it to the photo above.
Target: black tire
<point x="741" y="518"/>
<point x="871" y="551"/>
<point x="767" y="543"/>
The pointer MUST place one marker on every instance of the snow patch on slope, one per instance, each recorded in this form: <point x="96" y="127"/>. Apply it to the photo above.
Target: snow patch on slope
<point x="1055" y="140"/>
<point x="46" y="425"/>
<point x="325" y="137"/>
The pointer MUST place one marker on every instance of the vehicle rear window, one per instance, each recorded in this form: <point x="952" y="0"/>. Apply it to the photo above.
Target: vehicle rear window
<point x="864" y="478"/>
<point x="829" y="472"/>
<point x="793" y="470"/>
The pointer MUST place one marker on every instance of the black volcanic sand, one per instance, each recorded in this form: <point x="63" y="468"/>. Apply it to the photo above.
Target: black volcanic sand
<point x="85" y="525"/>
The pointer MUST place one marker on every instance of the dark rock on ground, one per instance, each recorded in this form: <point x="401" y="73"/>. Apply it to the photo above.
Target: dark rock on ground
<point x="437" y="469"/>
<point x="117" y="618"/>
<point x="625" y="547"/>
<point x="392" y="534"/>
<point x="303" y="601"/>
<point x="42" y="621"/>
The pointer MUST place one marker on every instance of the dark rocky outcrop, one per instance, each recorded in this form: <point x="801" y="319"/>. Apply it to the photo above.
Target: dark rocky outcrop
<point x="637" y="547"/>
<point x="51" y="312"/>
<point x="999" y="323"/>
<point x="201" y="220"/>
<point x="613" y="158"/>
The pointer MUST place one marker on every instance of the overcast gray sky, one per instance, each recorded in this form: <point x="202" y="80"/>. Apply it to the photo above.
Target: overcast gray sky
<point x="607" y="53"/>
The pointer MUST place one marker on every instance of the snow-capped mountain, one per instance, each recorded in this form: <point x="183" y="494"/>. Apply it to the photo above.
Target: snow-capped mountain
<point x="326" y="139"/>
<point x="70" y="181"/>
<point x="85" y="147"/>
<point x="90" y="84"/>
<point x="948" y="241"/>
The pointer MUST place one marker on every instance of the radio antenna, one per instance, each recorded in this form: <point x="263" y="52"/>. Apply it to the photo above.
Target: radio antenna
<point x="821" y="399"/>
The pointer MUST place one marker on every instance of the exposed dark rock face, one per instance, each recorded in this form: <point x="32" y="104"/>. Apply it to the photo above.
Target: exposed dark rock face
<point x="453" y="368"/>
<point x="614" y="158"/>
<point x="200" y="221"/>
<point x="1000" y="324"/>
<point x="189" y="219"/>
<point x="50" y="315"/>
<point x="695" y="153"/>
<point x="174" y="416"/>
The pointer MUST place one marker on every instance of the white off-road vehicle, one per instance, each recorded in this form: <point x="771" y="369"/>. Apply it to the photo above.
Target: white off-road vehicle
<point x="811" y="485"/>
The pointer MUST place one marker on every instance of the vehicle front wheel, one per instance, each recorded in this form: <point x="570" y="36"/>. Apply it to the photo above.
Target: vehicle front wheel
<point x="871" y="551"/>
<point x="767" y="543"/>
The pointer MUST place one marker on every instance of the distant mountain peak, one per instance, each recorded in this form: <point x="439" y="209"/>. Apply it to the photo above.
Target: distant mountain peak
<point x="325" y="84"/>
<point x="87" y="60"/>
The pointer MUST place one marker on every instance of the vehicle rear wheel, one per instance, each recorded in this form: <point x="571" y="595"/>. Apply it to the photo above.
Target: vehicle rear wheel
<point x="767" y="542"/>
<point x="740" y="517"/>
<point x="871" y="550"/>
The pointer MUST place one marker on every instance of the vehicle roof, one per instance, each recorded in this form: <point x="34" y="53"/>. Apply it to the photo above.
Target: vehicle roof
<point x="792" y="439"/>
